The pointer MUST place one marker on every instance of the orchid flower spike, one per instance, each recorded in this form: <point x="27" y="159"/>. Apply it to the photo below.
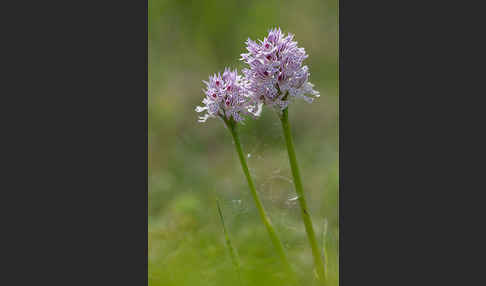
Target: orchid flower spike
<point x="228" y="96"/>
<point x="276" y="74"/>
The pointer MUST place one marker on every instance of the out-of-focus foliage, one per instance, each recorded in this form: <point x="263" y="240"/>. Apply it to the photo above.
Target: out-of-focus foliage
<point x="190" y="164"/>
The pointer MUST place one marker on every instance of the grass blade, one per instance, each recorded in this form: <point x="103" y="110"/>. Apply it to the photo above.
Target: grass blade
<point x="324" y="242"/>
<point x="232" y="251"/>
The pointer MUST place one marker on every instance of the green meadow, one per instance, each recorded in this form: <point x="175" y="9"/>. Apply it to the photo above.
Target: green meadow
<point x="192" y="164"/>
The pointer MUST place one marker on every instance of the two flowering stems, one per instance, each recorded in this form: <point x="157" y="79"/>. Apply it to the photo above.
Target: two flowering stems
<point x="275" y="76"/>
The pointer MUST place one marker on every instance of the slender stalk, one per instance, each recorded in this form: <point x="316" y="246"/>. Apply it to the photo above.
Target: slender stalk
<point x="266" y="220"/>
<point x="318" y="262"/>
<point x="232" y="251"/>
<point x="324" y="246"/>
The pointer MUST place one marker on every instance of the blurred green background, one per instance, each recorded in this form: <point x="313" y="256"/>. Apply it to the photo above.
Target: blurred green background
<point x="191" y="163"/>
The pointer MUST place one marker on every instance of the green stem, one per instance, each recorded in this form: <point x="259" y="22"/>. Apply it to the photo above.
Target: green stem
<point x="266" y="221"/>
<point x="318" y="263"/>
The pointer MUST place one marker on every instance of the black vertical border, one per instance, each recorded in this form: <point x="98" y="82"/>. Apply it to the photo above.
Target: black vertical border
<point x="82" y="144"/>
<point x="395" y="80"/>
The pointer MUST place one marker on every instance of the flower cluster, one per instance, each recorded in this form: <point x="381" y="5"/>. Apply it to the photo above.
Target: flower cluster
<point x="227" y="96"/>
<point x="275" y="75"/>
<point x="275" y="72"/>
